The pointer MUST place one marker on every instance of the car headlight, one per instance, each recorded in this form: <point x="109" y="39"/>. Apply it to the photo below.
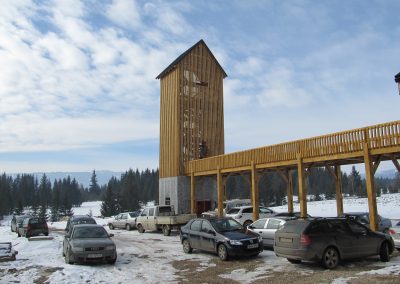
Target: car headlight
<point x="235" y="243"/>
<point x="110" y="247"/>
<point x="77" y="249"/>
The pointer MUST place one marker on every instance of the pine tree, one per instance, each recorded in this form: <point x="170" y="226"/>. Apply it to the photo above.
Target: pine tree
<point x="43" y="211"/>
<point x="109" y="205"/>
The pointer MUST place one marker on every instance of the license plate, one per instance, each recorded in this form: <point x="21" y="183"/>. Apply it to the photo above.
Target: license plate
<point x="95" y="255"/>
<point x="285" y="240"/>
<point x="252" y="246"/>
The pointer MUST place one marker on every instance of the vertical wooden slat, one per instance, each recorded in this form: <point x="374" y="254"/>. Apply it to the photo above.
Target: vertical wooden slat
<point x="369" y="176"/>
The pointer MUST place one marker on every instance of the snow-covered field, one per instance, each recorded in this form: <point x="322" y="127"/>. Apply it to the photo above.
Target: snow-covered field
<point x="154" y="258"/>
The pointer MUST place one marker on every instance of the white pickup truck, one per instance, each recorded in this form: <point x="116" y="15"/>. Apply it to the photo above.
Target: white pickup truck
<point x="161" y="217"/>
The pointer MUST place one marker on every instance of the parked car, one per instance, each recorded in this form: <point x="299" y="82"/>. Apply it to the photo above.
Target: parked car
<point x="79" y="219"/>
<point x="89" y="242"/>
<point x="395" y="234"/>
<point x="291" y="214"/>
<point x="384" y="224"/>
<point x="330" y="240"/>
<point x="223" y="236"/>
<point x="124" y="221"/>
<point x="16" y="221"/>
<point x="266" y="228"/>
<point x="227" y="205"/>
<point x="33" y="226"/>
<point x="244" y="214"/>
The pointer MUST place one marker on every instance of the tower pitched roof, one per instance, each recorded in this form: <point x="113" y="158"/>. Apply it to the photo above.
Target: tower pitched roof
<point x="180" y="57"/>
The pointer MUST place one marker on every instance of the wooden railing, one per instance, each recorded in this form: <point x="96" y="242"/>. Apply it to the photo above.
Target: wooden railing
<point x="347" y="142"/>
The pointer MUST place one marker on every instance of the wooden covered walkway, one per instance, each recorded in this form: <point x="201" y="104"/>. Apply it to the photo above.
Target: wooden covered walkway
<point x="369" y="145"/>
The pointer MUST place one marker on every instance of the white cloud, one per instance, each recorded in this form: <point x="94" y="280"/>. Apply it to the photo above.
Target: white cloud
<point x="125" y="13"/>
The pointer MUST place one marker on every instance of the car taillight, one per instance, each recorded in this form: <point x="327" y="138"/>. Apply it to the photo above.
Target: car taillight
<point x="392" y="232"/>
<point x="305" y="240"/>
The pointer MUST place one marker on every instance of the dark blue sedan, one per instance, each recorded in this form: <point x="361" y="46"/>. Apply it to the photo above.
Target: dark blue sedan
<point x="223" y="236"/>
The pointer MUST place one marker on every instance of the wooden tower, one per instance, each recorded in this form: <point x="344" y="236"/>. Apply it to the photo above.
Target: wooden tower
<point x="191" y="120"/>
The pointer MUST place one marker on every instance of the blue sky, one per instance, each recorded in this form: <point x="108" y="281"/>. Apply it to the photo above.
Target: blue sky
<point x="78" y="89"/>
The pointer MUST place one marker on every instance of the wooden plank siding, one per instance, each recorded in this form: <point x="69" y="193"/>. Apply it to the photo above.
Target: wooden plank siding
<point x="345" y="147"/>
<point x="191" y="111"/>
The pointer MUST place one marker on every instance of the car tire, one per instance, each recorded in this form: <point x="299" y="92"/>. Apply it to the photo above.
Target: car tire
<point x="247" y="223"/>
<point x="384" y="252"/>
<point x="46" y="234"/>
<point x="222" y="252"/>
<point x="166" y="230"/>
<point x="111" y="226"/>
<point x="186" y="246"/>
<point x="294" y="261"/>
<point x="330" y="258"/>
<point x="19" y="235"/>
<point x="140" y="228"/>
<point x="128" y="227"/>
<point x="68" y="258"/>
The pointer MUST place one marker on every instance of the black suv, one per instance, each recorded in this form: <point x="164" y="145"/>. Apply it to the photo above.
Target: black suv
<point x="224" y="236"/>
<point x="78" y="219"/>
<point x="330" y="240"/>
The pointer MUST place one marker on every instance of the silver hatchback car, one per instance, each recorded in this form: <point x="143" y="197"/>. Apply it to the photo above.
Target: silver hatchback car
<point x="266" y="228"/>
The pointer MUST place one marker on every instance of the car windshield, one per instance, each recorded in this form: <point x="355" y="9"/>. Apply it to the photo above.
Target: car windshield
<point x="226" y="225"/>
<point x="233" y="211"/>
<point x="89" y="232"/>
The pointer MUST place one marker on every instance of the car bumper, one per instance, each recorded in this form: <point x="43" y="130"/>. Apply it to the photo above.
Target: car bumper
<point x="243" y="251"/>
<point x="37" y="232"/>
<point x="94" y="256"/>
<point x="299" y="254"/>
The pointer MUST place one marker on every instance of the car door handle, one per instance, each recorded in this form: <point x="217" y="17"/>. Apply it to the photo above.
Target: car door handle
<point x="260" y="232"/>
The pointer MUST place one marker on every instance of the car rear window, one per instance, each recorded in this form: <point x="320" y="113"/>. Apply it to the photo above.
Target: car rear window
<point x="133" y="215"/>
<point x="36" y="221"/>
<point x="234" y="211"/>
<point x="319" y="227"/>
<point x="295" y="226"/>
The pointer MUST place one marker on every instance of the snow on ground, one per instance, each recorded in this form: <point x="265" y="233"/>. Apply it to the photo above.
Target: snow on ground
<point x="388" y="206"/>
<point x="152" y="257"/>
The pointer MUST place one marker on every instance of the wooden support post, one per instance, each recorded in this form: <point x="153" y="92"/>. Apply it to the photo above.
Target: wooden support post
<point x="192" y="193"/>
<point x="338" y="186"/>
<point x="254" y="191"/>
<point x="396" y="164"/>
<point x="287" y="177"/>
<point x="289" y="191"/>
<point x="302" y="187"/>
<point x="220" y="189"/>
<point x="369" y="176"/>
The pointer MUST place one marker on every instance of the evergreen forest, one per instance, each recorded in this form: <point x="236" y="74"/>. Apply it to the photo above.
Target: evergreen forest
<point x="54" y="200"/>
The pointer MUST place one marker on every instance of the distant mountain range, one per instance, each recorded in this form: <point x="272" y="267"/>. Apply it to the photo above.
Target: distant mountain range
<point x="81" y="177"/>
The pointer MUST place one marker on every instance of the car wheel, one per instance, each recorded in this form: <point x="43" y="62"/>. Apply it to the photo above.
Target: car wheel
<point x="384" y="252"/>
<point x="222" y="252"/>
<point x="112" y="261"/>
<point x="186" y="246"/>
<point x="140" y="228"/>
<point x="294" y="261"/>
<point x="68" y="257"/>
<point x="128" y="227"/>
<point x="111" y="226"/>
<point x="330" y="258"/>
<point x="46" y="234"/>
<point x="19" y="235"/>
<point x="166" y="230"/>
<point x="247" y="223"/>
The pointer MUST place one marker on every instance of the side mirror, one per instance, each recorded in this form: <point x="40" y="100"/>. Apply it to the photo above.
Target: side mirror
<point x="250" y="227"/>
<point x="211" y="232"/>
<point x="111" y="235"/>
